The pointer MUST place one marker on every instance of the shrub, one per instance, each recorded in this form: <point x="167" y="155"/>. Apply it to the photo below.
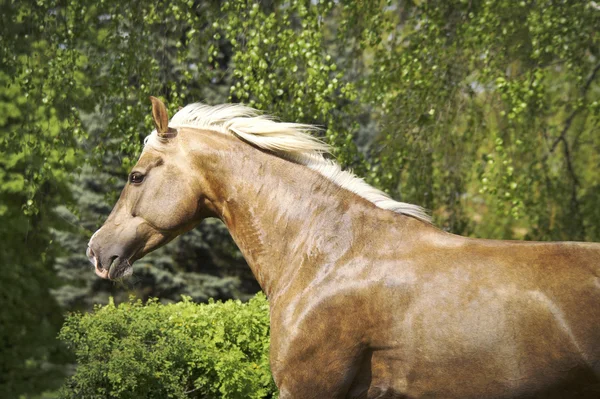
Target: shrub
<point x="182" y="350"/>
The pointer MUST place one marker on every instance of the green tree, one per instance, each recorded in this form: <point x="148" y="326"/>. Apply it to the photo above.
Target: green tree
<point x="29" y="316"/>
<point x="491" y="113"/>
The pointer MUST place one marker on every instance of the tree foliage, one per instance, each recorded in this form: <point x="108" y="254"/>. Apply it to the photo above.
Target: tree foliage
<point x="491" y="103"/>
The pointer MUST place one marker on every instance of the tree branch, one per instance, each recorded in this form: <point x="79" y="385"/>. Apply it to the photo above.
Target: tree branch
<point x="562" y="137"/>
<point x="574" y="199"/>
<point x="569" y="120"/>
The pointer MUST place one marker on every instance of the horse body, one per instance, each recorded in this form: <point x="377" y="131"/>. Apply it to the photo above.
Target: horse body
<point x="437" y="315"/>
<point x="367" y="302"/>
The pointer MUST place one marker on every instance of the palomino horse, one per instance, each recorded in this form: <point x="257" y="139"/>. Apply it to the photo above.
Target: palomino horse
<point x="368" y="299"/>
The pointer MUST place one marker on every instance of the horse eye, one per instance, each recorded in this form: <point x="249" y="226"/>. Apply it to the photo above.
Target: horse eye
<point x="136" y="178"/>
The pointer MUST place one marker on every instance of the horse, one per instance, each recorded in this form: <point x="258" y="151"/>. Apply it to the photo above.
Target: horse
<point x="368" y="299"/>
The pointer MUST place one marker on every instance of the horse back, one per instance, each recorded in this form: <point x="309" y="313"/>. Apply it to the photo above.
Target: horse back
<point x="515" y="319"/>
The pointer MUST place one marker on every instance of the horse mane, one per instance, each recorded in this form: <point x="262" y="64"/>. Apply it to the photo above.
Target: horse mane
<point x="291" y="141"/>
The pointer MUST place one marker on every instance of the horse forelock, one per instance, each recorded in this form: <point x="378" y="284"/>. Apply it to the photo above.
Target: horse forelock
<point x="292" y="141"/>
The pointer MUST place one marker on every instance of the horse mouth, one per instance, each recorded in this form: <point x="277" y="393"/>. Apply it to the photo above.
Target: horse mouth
<point x="116" y="269"/>
<point x="106" y="272"/>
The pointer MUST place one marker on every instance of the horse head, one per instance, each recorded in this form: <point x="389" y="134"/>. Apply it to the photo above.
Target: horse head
<point x="159" y="202"/>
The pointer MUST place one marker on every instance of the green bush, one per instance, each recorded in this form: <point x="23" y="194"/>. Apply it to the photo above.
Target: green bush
<point x="182" y="350"/>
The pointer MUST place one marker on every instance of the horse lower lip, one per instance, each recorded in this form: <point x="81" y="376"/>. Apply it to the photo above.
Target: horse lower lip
<point x="118" y="268"/>
<point x="113" y="260"/>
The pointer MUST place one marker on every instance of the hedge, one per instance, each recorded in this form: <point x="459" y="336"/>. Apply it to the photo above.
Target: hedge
<point x="181" y="350"/>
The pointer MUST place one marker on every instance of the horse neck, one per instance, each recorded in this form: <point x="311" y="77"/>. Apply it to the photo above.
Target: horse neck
<point x="284" y="217"/>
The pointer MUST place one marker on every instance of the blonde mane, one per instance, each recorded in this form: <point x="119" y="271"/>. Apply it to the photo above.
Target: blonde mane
<point x="292" y="141"/>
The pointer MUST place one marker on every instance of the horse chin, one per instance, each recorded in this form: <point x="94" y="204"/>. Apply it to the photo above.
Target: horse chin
<point x="119" y="270"/>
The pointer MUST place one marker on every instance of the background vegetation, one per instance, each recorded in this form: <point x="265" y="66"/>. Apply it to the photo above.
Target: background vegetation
<point x="484" y="111"/>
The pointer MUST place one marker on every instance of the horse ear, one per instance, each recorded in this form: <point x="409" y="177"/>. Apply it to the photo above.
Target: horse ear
<point x="161" y="119"/>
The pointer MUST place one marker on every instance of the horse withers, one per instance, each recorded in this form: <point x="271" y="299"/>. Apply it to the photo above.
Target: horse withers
<point x="367" y="298"/>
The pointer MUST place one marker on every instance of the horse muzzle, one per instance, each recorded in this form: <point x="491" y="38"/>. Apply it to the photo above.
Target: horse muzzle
<point x="113" y="268"/>
<point x="115" y="246"/>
